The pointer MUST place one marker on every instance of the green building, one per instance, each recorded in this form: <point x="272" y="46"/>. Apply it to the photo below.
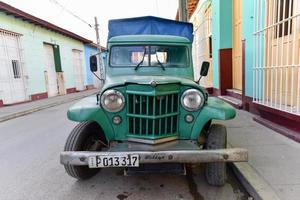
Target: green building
<point x="37" y="58"/>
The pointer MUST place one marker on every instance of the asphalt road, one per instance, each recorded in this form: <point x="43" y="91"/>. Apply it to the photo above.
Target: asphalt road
<point x="30" y="168"/>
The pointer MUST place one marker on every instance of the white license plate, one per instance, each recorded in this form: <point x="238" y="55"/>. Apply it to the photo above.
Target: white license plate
<point x="113" y="161"/>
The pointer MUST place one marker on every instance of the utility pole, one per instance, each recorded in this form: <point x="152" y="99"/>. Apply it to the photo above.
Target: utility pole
<point x="101" y="68"/>
<point x="183" y="16"/>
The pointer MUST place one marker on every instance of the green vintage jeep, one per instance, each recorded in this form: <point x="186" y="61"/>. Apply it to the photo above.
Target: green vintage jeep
<point x="150" y="109"/>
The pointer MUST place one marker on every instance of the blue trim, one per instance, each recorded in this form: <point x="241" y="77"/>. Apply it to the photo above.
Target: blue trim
<point x="88" y="51"/>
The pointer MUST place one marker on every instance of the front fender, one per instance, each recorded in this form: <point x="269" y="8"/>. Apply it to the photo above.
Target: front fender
<point x="87" y="109"/>
<point x="214" y="109"/>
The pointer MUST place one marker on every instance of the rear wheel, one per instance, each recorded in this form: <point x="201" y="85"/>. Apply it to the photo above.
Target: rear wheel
<point x="86" y="136"/>
<point x="216" y="139"/>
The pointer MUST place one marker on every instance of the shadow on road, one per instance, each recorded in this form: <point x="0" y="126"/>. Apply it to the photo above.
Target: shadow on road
<point x="111" y="184"/>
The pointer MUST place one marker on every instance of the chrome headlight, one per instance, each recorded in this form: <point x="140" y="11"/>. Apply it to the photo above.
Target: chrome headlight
<point x="112" y="101"/>
<point x="192" y="100"/>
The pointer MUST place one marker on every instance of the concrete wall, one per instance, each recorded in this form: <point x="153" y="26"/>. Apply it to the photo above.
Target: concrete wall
<point x="248" y="21"/>
<point x="215" y="40"/>
<point x="221" y="32"/>
<point x="33" y="54"/>
<point x="225" y="24"/>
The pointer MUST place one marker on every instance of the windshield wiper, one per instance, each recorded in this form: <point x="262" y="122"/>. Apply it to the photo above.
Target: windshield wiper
<point x="162" y="66"/>
<point x="138" y="65"/>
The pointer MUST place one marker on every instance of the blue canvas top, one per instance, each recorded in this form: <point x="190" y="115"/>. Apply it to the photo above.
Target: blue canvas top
<point x="149" y="25"/>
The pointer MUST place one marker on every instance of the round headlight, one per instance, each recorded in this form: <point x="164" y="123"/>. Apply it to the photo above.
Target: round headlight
<point x="112" y="101"/>
<point x="192" y="100"/>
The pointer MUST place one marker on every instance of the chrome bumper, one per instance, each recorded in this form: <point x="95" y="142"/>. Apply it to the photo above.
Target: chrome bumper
<point x="174" y="152"/>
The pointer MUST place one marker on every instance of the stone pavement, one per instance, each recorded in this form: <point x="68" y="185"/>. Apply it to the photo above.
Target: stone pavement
<point x="274" y="157"/>
<point x="10" y="112"/>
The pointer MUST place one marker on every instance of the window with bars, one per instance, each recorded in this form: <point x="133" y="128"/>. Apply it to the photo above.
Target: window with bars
<point x="276" y="63"/>
<point x="284" y="11"/>
<point x="16" y="69"/>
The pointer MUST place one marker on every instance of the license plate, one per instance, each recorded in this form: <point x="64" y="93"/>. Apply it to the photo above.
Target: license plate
<point x="113" y="161"/>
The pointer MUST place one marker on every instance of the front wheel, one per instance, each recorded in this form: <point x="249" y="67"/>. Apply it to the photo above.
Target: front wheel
<point x="217" y="139"/>
<point x="86" y="136"/>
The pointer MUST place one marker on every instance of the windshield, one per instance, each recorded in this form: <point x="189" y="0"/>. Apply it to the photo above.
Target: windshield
<point x="147" y="56"/>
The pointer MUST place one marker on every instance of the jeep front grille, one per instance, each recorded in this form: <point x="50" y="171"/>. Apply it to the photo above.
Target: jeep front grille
<point x="153" y="117"/>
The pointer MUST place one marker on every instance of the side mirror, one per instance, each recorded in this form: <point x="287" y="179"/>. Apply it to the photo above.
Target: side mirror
<point x="93" y="63"/>
<point x="204" y="68"/>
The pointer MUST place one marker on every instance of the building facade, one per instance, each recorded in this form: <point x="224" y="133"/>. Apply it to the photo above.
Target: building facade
<point x="253" y="48"/>
<point x="38" y="59"/>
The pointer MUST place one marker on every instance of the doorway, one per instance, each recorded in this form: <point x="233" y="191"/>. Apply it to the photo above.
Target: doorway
<point x="12" y="76"/>
<point x="50" y="72"/>
<point x="78" y="69"/>
<point x="237" y="51"/>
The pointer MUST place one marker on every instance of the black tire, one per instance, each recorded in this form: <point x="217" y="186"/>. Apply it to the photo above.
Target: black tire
<point x="217" y="139"/>
<point x="81" y="138"/>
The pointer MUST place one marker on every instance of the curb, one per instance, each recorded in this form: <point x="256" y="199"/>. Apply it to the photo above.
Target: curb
<point x="26" y="112"/>
<point x="255" y="185"/>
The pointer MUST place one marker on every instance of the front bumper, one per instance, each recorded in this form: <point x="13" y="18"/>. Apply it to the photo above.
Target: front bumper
<point x="172" y="152"/>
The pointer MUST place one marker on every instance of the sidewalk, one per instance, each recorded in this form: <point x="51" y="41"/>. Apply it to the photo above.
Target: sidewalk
<point x="10" y="112"/>
<point x="274" y="157"/>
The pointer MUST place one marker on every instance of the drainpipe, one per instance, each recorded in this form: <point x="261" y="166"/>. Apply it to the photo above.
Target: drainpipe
<point x="183" y="16"/>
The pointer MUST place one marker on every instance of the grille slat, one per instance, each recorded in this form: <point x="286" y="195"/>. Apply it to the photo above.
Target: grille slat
<point x="147" y="126"/>
<point x="152" y="116"/>
<point x="172" y="97"/>
<point x="147" y="105"/>
<point x="133" y="104"/>
<point x="153" y="126"/>
<point x="171" y="127"/>
<point x="166" y="104"/>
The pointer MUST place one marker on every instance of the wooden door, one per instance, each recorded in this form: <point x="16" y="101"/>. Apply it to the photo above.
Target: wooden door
<point x="237" y="44"/>
<point x="12" y="78"/>
<point x="51" y="79"/>
<point x="61" y="83"/>
<point x="78" y="70"/>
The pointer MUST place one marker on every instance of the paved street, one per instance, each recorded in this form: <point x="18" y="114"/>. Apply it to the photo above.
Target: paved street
<point x="30" y="169"/>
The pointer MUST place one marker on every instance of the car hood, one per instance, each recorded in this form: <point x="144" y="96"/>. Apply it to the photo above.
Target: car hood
<point x="147" y="80"/>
